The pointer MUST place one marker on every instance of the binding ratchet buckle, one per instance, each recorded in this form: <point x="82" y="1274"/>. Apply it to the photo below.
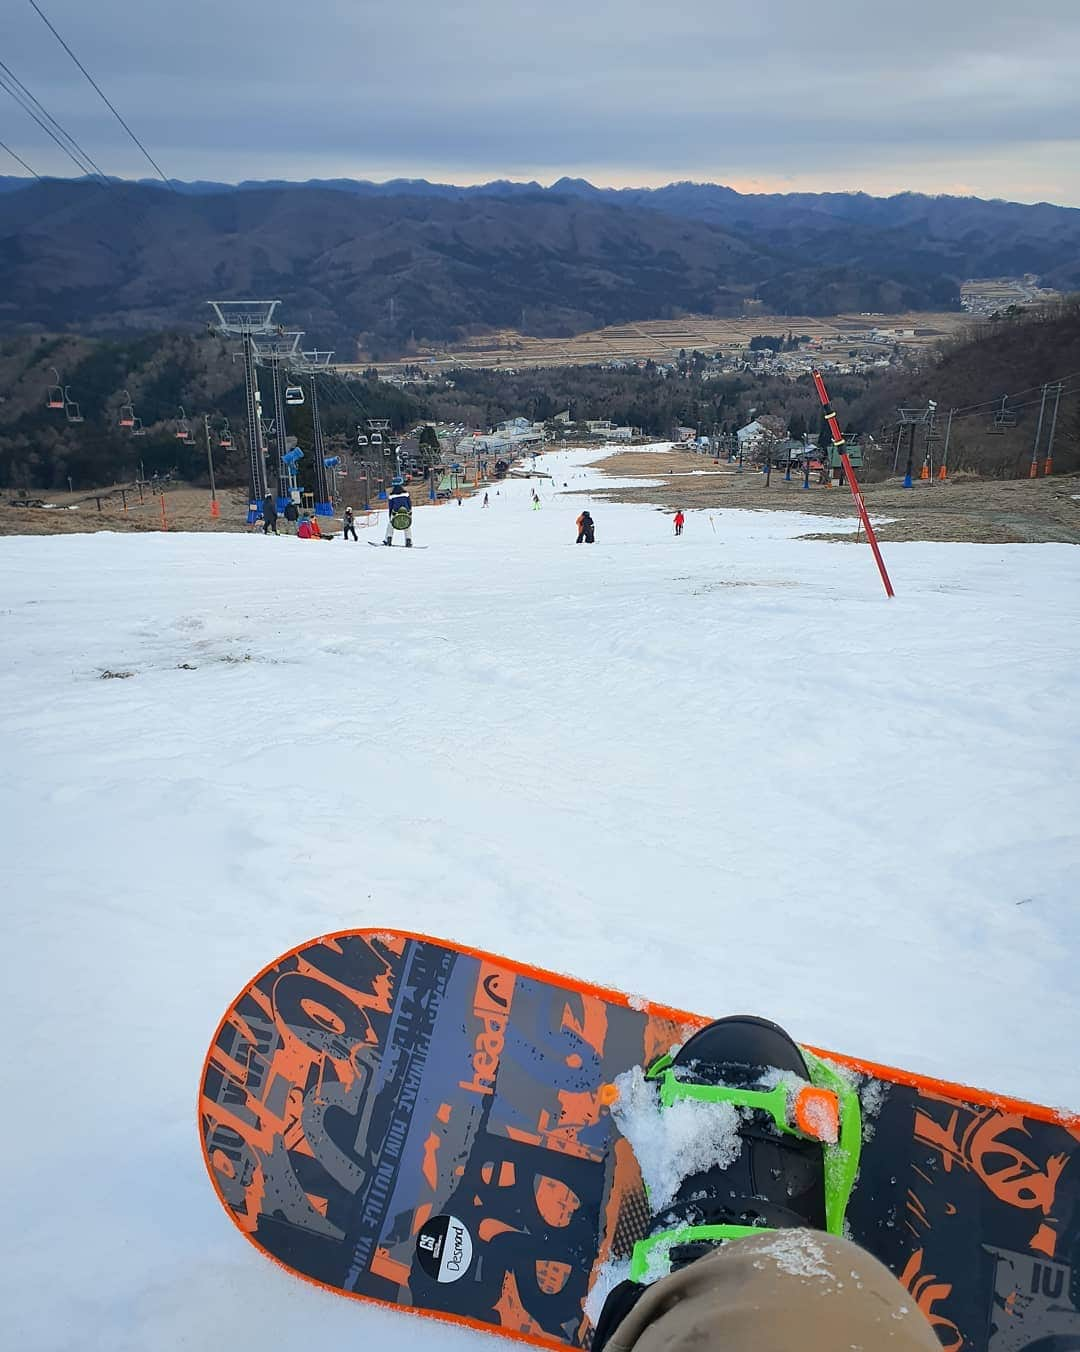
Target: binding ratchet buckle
<point x="811" y="1111"/>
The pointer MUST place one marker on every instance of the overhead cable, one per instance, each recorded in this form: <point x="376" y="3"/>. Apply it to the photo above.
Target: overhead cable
<point x="101" y="93"/>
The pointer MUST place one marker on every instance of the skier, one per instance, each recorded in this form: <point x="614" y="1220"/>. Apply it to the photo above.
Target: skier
<point x="586" y="529"/>
<point x="350" y="525"/>
<point x="269" y="510"/>
<point x="399" y="506"/>
<point x="535" y="500"/>
<point x="485" y="499"/>
<point x="680" y="521"/>
<point x="781" y="1279"/>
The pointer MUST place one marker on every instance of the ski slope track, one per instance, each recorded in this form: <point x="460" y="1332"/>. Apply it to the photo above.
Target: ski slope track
<point x="722" y="771"/>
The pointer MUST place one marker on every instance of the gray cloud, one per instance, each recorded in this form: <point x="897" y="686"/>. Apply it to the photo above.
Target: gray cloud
<point x="933" y="95"/>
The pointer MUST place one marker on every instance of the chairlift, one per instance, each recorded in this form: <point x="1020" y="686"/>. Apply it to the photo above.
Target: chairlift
<point x="294" y="394"/>
<point x="137" y="429"/>
<point x="361" y="439"/>
<point x="1003" y="418"/>
<point x="183" y="431"/>
<point x="376" y="438"/>
<point x="127" y="411"/>
<point x="71" y="408"/>
<point x="55" y="396"/>
<point x="225" y="441"/>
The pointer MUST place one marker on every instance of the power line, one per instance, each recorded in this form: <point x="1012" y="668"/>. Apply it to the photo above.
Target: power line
<point x="20" y="159"/>
<point x="100" y="91"/>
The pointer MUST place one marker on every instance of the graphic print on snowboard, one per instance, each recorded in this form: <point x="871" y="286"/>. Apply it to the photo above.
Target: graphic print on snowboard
<point x="403" y="1120"/>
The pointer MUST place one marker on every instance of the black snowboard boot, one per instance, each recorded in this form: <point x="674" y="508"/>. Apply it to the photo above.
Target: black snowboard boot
<point x="774" y="1174"/>
<point x="777" y="1180"/>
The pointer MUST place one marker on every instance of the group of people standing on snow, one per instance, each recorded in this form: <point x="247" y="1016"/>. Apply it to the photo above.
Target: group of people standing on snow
<point x="399" y="518"/>
<point x="291" y="513"/>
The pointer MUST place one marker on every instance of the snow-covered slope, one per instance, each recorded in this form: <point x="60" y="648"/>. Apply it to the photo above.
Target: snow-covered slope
<point x="721" y="770"/>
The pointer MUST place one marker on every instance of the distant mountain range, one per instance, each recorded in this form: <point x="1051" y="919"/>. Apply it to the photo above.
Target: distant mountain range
<point x="378" y="264"/>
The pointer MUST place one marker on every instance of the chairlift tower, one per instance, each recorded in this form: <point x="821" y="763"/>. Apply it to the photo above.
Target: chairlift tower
<point x="277" y="351"/>
<point x="310" y="364"/>
<point x="249" y="320"/>
<point x="913" y="419"/>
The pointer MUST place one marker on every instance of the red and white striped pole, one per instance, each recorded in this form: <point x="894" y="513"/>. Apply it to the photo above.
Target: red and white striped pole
<point x="840" y="445"/>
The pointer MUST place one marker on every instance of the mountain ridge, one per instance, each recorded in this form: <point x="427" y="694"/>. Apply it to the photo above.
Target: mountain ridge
<point x="371" y="267"/>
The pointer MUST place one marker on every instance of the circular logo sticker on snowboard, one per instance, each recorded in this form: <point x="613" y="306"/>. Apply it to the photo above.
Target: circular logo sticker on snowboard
<point x="444" y="1248"/>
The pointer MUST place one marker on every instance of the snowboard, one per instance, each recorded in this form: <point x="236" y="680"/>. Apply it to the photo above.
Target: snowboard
<point x="405" y="1120"/>
<point x="378" y="544"/>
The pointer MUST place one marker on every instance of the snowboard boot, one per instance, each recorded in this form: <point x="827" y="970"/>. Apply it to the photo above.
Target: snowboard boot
<point x="388" y="543"/>
<point x="408" y="544"/>
<point x="798" y="1137"/>
<point x="796" y="1151"/>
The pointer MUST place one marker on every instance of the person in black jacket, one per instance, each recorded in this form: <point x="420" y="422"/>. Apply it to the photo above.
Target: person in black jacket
<point x="269" y="515"/>
<point x="291" y="513"/>
<point x="350" y="525"/>
<point x="586" y="528"/>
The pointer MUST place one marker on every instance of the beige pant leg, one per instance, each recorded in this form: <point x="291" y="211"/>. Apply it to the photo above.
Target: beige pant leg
<point x="787" y="1291"/>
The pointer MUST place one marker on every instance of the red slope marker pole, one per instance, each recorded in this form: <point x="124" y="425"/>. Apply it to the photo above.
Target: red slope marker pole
<point x="856" y="492"/>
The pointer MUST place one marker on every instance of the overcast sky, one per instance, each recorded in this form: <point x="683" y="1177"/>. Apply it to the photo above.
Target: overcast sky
<point x="960" y="96"/>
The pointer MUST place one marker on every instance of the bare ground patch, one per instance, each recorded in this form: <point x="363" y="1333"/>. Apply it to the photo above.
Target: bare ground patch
<point x="979" y="511"/>
<point x="186" y="509"/>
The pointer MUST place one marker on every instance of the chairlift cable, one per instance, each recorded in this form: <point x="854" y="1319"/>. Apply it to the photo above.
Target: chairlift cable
<point x="63" y="138"/>
<point x="13" y="155"/>
<point x="967" y="410"/>
<point x="32" y="105"/>
<point x="101" y="92"/>
<point x="980" y="410"/>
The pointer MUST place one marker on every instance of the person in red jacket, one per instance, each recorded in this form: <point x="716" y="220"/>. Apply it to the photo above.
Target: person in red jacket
<point x="680" y="521"/>
<point x="303" y="531"/>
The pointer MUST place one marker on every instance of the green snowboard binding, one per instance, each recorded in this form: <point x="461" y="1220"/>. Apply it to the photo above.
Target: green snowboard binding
<point x="792" y="1153"/>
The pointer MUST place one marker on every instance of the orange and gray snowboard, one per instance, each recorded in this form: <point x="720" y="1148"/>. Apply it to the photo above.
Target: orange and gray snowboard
<point x="402" y="1120"/>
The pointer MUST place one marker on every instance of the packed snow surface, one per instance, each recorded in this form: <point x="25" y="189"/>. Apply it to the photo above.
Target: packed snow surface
<point x="671" y="1144"/>
<point x="721" y="770"/>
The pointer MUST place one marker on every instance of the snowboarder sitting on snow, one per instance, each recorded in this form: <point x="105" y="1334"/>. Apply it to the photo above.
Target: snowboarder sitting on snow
<point x="680" y="521"/>
<point x="269" y="511"/>
<point x="586" y="529"/>
<point x="350" y="525"/>
<point x="399" y="506"/>
<point x="777" y="1281"/>
<point x="309" y="528"/>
